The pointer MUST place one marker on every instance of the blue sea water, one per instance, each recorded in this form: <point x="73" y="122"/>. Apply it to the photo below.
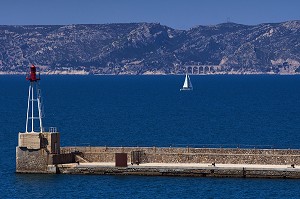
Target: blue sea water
<point x="221" y="111"/>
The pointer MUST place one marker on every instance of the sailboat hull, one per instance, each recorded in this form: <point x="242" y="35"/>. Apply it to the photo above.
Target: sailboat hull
<point x="186" y="89"/>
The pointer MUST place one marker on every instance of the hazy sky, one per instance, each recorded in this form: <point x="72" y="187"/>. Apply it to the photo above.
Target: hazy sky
<point x="180" y="14"/>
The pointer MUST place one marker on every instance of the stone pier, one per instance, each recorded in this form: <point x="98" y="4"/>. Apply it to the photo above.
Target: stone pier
<point x="41" y="153"/>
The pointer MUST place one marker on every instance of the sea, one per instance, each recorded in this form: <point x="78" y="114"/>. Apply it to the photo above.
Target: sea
<point x="230" y="111"/>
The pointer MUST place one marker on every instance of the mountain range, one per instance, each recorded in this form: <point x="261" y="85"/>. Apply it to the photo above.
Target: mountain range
<point x="151" y="48"/>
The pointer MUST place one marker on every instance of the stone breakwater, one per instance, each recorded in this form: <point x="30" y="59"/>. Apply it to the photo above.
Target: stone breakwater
<point x="162" y="161"/>
<point x="191" y="155"/>
<point x="196" y="162"/>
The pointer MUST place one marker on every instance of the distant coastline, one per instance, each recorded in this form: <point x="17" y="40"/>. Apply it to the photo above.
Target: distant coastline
<point x="151" y="49"/>
<point x="85" y="73"/>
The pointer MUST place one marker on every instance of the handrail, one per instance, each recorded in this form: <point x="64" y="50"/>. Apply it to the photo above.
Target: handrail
<point x="52" y="129"/>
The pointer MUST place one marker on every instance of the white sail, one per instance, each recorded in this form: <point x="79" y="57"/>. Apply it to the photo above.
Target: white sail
<point x="187" y="85"/>
<point x="186" y="82"/>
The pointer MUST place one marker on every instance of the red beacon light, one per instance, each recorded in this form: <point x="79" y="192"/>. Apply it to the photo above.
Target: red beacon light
<point x="32" y="77"/>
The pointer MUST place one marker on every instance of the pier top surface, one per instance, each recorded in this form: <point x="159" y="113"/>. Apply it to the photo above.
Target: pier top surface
<point x="188" y="165"/>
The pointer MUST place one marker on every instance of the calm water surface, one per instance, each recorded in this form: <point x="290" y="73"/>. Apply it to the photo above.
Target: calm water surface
<point x="222" y="111"/>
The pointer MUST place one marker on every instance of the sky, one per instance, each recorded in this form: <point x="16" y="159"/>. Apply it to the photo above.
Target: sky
<point x="178" y="14"/>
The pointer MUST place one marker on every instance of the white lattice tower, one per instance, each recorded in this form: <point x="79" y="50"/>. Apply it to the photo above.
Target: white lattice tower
<point x="34" y="105"/>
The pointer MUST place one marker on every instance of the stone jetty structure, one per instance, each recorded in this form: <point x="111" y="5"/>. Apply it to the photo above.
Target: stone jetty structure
<point x="168" y="161"/>
<point x="40" y="151"/>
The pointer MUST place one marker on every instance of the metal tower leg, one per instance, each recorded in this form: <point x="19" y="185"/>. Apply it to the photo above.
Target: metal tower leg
<point x="28" y="105"/>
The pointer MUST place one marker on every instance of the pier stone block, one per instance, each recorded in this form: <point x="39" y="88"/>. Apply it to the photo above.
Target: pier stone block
<point x="31" y="161"/>
<point x="30" y="140"/>
<point x="48" y="140"/>
<point x="36" y="151"/>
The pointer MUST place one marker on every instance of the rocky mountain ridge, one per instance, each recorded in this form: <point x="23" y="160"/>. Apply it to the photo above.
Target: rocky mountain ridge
<point x="151" y="48"/>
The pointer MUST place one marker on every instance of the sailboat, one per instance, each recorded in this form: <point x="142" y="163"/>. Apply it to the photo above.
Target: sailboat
<point x="187" y="85"/>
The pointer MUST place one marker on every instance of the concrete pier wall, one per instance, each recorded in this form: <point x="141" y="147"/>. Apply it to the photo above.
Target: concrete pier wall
<point x="192" y="155"/>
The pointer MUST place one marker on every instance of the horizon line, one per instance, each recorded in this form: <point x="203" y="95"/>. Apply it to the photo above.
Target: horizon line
<point x="227" y="22"/>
